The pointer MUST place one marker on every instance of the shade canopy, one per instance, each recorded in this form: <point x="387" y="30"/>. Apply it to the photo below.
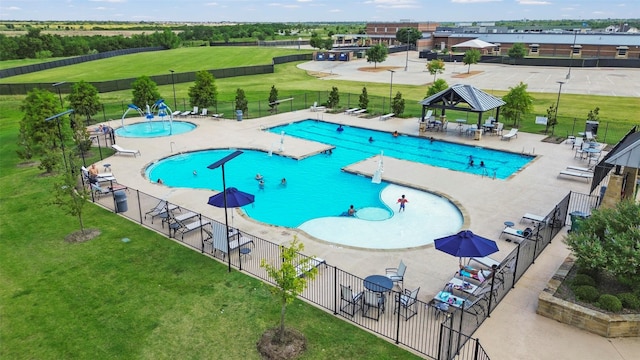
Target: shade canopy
<point x="466" y="244"/>
<point x="235" y="198"/>
<point x="475" y="43"/>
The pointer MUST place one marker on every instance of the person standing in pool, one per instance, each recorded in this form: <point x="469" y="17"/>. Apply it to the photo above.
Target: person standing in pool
<point x="340" y="128"/>
<point x="402" y="201"/>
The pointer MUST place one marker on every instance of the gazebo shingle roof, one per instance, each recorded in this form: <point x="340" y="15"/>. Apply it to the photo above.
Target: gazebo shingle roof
<point x="478" y="100"/>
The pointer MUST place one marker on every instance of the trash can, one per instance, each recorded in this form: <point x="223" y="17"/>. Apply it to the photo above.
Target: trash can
<point x="121" y="201"/>
<point x="576" y="218"/>
<point x="477" y="135"/>
<point x="239" y="115"/>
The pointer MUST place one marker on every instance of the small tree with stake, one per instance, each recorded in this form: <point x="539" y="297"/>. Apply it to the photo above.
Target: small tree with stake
<point x="273" y="99"/>
<point x="289" y="285"/>
<point x="71" y="198"/>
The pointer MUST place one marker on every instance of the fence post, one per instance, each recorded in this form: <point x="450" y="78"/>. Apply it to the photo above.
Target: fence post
<point x="398" y="318"/>
<point x="139" y="205"/>
<point x="335" y="285"/>
<point x="515" y="268"/>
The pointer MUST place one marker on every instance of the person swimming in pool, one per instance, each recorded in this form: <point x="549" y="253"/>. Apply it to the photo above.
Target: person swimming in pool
<point x="259" y="177"/>
<point x="370" y="139"/>
<point x="283" y="182"/>
<point x="395" y="133"/>
<point x="352" y="211"/>
<point x="340" y="128"/>
<point x="261" y="185"/>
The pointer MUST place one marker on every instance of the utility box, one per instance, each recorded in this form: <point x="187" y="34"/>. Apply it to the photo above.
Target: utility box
<point x="121" y="201"/>
<point x="576" y="218"/>
<point x="592" y="126"/>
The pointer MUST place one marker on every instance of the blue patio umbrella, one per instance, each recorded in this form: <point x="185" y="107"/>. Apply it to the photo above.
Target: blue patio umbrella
<point x="235" y="198"/>
<point x="466" y="244"/>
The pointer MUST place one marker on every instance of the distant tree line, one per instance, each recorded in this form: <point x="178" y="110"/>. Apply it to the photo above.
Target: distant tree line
<point x="35" y="45"/>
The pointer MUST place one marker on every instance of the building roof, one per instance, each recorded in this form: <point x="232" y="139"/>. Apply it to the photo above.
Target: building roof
<point x="616" y="39"/>
<point x="478" y="100"/>
<point x="628" y="154"/>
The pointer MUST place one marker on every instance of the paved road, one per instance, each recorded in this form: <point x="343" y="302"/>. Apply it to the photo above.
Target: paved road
<point x="593" y="81"/>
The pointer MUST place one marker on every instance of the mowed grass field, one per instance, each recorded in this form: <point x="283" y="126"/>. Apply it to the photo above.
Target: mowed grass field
<point x="616" y="113"/>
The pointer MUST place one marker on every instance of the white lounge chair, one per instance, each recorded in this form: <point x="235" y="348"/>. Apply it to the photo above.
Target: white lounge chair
<point x="160" y="210"/>
<point x="313" y="262"/>
<point x="194" y="111"/>
<point x="511" y="134"/>
<point x="387" y="116"/>
<point x="99" y="190"/>
<point x="120" y="150"/>
<point x="350" y="111"/>
<point x="185" y="113"/>
<point x="315" y="107"/>
<point x="175" y="113"/>
<point x="204" y="112"/>
<point x="583" y="175"/>
<point x="359" y="112"/>
<point x="580" y="169"/>
<point x="519" y="234"/>
<point x="102" y="177"/>
<point x="217" y="116"/>
<point x="188" y="227"/>
<point x="533" y="218"/>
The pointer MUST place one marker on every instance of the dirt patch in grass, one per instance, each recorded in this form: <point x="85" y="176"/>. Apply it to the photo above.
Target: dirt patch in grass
<point x="466" y="75"/>
<point x="292" y="345"/>
<point x="318" y="74"/>
<point x="27" y="164"/>
<point x="378" y="68"/>
<point x="554" y="139"/>
<point x="80" y="236"/>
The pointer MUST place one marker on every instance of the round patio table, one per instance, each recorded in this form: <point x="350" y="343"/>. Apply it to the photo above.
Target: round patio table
<point x="378" y="283"/>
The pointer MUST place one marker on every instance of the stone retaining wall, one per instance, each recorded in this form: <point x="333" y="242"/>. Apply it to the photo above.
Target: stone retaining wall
<point x="603" y="324"/>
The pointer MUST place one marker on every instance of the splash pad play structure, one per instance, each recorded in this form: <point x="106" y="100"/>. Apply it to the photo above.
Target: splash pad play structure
<point x="159" y="121"/>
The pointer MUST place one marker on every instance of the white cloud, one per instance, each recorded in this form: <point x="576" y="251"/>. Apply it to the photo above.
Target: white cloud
<point x="211" y="4"/>
<point x="394" y="4"/>
<point x="533" y="2"/>
<point x="473" y="1"/>
<point x="110" y="1"/>
<point x="335" y="11"/>
<point x="10" y="8"/>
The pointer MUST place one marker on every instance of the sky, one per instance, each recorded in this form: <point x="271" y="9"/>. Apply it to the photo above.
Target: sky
<point x="317" y="10"/>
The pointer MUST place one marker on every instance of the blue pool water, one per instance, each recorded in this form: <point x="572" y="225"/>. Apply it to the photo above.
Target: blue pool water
<point x="315" y="187"/>
<point x="150" y="129"/>
<point x="498" y="164"/>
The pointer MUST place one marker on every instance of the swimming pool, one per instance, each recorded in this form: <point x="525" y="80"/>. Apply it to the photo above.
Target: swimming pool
<point x="317" y="192"/>
<point x="149" y="129"/>
<point x="498" y="164"/>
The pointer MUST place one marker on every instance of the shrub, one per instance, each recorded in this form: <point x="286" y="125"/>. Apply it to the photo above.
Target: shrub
<point x="586" y="293"/>
<point x="629" y="301"/>
<point x="583" y="279"/>
<point x="609" y="302"/>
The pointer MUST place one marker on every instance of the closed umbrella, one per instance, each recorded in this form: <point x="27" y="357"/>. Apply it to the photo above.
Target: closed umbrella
<point x="466" y="244"/>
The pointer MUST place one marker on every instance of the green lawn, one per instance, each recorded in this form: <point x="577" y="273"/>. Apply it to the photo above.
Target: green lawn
<point x="149" y="298"/>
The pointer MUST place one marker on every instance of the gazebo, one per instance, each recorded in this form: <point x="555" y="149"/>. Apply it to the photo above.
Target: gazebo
<point x="476" y="100"/>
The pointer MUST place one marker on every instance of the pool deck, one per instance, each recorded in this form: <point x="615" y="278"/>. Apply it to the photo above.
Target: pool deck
<point x="514" y="330"/>
<point x="485" y="202"/>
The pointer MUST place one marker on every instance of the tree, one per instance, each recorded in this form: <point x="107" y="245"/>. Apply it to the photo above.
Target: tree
<point x="241" y="101"/>
<point x="363" y="102"/>
<point x="39" y="138"/>
<point x="398" y="104"/>
<point x="315" y="41"/>
<point x="471" y="56"/>
<point x="552" y="119"/>
<point x="145" y="91"/>
<point x="327" y="44"/>
<point x="203" y="93"/>
<point x="517" y="51"/>
<point x="438" y="85"/>
<point x="273" y="98"/>
<point x="608" y="241"/>
<point x="594" y="115"/>
<point x="518" y="102"/>
<point x="70" y="196"/>
<point x="435" y="66"/>
<point x="377" y="53"/>
<point x="334" y="98"/>
<point x="84" y="99"/>
<point x="408" y="35"/>
<point x="285" y="275"/>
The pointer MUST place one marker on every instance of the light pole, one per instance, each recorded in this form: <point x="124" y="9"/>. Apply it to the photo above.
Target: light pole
<point x="557" y="105"/>
<point x="57" y="86"/>
<point x="173" y="84"/>
<point x="57" y="118"/>
<point x="575" y="34"/>
<point x="406" y="60"/>
<point x="215" y="165"/>
<point x="390" y="87"/>
<point x="299" y="40"/>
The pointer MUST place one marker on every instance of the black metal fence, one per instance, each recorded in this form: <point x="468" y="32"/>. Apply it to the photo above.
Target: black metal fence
<point x="426" y="327"/>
